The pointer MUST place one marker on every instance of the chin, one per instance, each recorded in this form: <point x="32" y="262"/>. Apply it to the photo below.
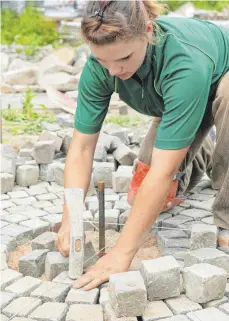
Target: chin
<point x="125" y="76"/>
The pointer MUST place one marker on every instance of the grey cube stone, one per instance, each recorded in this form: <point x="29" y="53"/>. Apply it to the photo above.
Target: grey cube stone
<point x="82" y="312"/>
<point x="14" y="218"/>
<point x="31" y="162"/>
<point x="6" y="204"/>
<point x="109" y="314"/>
<point x="33" y="263"/>
<point x="8" y="159"/>
<point x="161" y="277"/>
<point x="122" y="206"/>
<point x="21" y="319"/>
<point x="56" y="209"/>
<point x="47" y="171"/>
<point x="203" y="236"/>
<point x="205" y="205"/>
<point x="103" y="172"/>
<point x="47" y="135"/>
<point x="88" y="217"/>
<point x="208" y="255"/>
<point x="204" y="282"/>
<point x="25" y="152"/>
<point x="67" y="139"/>
<point x="38" y="226"/>
<point x="51" y="291"/>
<point x="50" y="311"/>
<point x="45" y="241"/>
<point x="21" y="307"/>
<point x="82" y="297"/>
<point x="127" y="294"/>
<point x="164" y="242"/>
<point x="3" y="317"/>
<point x="94" y="206"/>
<point x="55" y="264"/>
<point x="20" y="233"/>
<point x="122" y="178"/>
<point x="225" y="308"/>
<point x="90" y="257"/>
<point x="27" y="175"/>
<point x="6" y="298"/>
<point x="182" y="305"/>
<point x="196" y="214"/>
<point x="34" y="213"/>
<point x="63" y="278"/>
<point x="100" y="154"/>
<point x="104" y="296"/>
<point x="215" y="303"/>
<point x="175" y="221"/>
<point x="9" y="242"/>
<point x="111" y="219"/>
<point x="25" y="201"/>
<point x="59" y="174"/>
<point x="156" y="310"/>
<point x="21" y="209"/>
<point x="7" y="182"/>
<point x="43" y="152"/>
<point x="3" y="261"/>
<point x="42" y="205"/>
<point x="208" y="220"/>
<point x="18" y="194"/>
<point x="36" y="190"/>
<point x="47" y="197"/>
<point x="176" y="318"/>
<point x="124" y="155"/>
<point x="209" y="314"/>
<point x="122" y="219"/>
<point x="177" y="253"/>
<point x="24" y="286"/>
<point x="54" y="220"/>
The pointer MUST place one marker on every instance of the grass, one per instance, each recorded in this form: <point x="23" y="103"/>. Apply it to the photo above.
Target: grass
<point x="126" y="120"/>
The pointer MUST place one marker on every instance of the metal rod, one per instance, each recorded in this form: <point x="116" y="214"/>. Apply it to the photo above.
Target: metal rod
<point x="101" y="187"/>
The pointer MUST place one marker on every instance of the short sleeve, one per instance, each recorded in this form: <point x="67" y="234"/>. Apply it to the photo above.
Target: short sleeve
<point x="94" y="93"/>
<point x="185" y="85"/>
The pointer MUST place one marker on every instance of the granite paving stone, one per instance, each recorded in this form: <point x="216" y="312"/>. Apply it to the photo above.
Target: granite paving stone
<point x="111" y="219"/>
<point x="20" y="209"/>
<point x="109" y="315"/>
<point x="42" y="204"/>
<point x="182" y="305"/>
<point x="20" y="233"/>
<point x="50" y="311"/>
<point x="9" y="242"/>
<point x="196" y="214"/>
<point x="51" y="291"/>
<point x="55" y="264"/>
<point x="80" y="296"/>
<point x="14" y="218"/>
<point x="203" y="236"/>
<point x="6" y="204"/>
<point x="6" y="298"/>
<point x="24" y="201"/>
<point x="46" y="197"/>
<point x="54" y="220"/>
<point x="17" y="194"/>
<point x="44" y="241"/>
<point x="63" y="278"/>
<point x="225" y="308"/>
<point x="156" y="310"/>
<point x="3" y="261"/>
<point x="215" y="303"/>
<point x="209" y="314"/>
<point x="8" y="277"/>
<point x="21" y="307"/>
<point x="24" y="286"/>
<point x="175" y="221"/>
<point x="37" y="225"/>
<point x="33" y="263"/>
<point x="176" y="318"/>
<point x="36" y="190"/>
<point x="104" y="296"/>
<point x="85" y="312"/>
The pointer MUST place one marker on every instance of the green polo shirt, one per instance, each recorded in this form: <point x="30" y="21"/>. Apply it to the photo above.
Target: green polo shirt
<point x="177" y="77"/>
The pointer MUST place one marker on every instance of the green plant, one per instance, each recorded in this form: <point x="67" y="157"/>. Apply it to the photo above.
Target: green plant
<point x="125" y="120"/>
<point x="26" y="120"/>
<point x="202" y="4"/>
<point x="30" y="29"/>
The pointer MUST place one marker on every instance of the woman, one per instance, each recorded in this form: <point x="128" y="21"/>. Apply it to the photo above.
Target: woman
<point x="175" y="69"/>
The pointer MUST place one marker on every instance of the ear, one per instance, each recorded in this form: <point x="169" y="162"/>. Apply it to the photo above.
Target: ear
<point x="149" y="30"/>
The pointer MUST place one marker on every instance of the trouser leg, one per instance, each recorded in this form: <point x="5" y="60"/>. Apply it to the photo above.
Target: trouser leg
<point x="220" y="166"/>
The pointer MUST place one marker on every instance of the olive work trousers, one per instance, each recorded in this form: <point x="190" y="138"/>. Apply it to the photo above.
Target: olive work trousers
<point x="205" y="156"/>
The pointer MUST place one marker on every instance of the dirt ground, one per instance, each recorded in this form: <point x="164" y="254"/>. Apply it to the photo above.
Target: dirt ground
<point x="149" y="249"/>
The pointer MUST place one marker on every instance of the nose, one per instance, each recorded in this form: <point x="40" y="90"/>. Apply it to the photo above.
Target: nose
<point x="115" y="70"/>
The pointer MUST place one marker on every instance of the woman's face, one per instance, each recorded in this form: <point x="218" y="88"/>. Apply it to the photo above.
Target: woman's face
<point x="121" y="59"/>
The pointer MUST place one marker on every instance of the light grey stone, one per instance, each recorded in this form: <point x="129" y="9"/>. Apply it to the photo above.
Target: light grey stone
<point x="55" y="209"/>
<point x="3" y="261"/>
<point x="42" y="204"/>
<point x="82" y="297"/>
<point x="6" y="204"/>
<point x="109" y="314"/>
<point x="205" y="205"/>
<point x="123" y="218"/>
<point x="52" y="136"/>
<point x="90" y="256"/>
<point x="176" y="318"/>
<point x="161" y="277"/>
<point x="37" y="225"/>
<point x="164" y="243"/>
<point x="44" y="241"/>
<point x="215" y="303"/>
<point x="209" y="314"/>
<point x="51" y="291"/>
<point x="208" y="255"/>
<point x="63" y="278"/>
<point x="122" y="178"/>
<point x="127" y="294"/>
<point x="3" y="317"/>
<point x="208" y="220"/>
<point x="59" y="174"/>
<point x="25" y="152"/>
<point x="94" y="206"/>
<point x="24" y="286"/>
<point x="225" y="308"/>
<point x="20" y="233"/>
<point x="204" y="282"/>
<point x="156" y="310"/>
<point x="196" y="214"/>
<point x="9" y="242"/>
<point x="54" y="220"/>
<point x="4" y="197"/>
<point x="21" y="307"/>
<point x="200" y="197"/>
<point x="182" y="305"/>
<point x="175" y="221"/>
<point x="203" y="236"/>
<point x="122" y="206"/>
<point x="111" y="219"/>
<point x="36" y="190"/>
<point x="104" y="296"/>
<point x="18" y="194"/>
<point x="14" y="218"/>
<point x="33" y="263"/>
<point x="27" y="175"/>
<point x="8" y="159"/>
<point x="25" y="201"/>
<point x="47" y="171"/>
<point x="88" y="217"/>
<point x="100" y="154"/>
<point x="103" y="172"/>
<point x="177" y="253"/>
<point x="50" y="311"/>
<point x="46" y="197"/>
<point x="21" y="209"/>
<point x="124" y="155"/>
<point x="6" y="298"/>
<point x="43" y="152"/>
<point x="55" y="264"/>
<point x="82" y="312"/>
<point x="7" y="182"/>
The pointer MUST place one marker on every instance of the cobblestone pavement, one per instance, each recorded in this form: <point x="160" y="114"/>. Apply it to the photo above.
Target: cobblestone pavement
<point x="34" y="214"/>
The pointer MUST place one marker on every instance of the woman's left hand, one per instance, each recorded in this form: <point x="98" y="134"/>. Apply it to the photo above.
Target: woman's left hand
<point x="113" y="262"/>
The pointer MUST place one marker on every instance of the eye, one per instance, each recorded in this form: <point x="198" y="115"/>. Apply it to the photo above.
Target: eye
<point x="126" y="58"/>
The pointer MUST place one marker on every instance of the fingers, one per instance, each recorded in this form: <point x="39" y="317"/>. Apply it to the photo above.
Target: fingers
<point x="62" y="246"/>
<point x="96" y="282"/>
<point x="83" y="280"/>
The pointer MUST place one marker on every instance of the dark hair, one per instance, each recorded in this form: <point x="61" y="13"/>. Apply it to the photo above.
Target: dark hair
<point x="107" y="21"/>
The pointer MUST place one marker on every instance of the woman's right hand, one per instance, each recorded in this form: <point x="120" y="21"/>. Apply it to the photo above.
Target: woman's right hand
<point x="63" y="239"/>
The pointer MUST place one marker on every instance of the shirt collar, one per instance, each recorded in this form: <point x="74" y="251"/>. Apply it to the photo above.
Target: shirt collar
<point x="147" y="64"/>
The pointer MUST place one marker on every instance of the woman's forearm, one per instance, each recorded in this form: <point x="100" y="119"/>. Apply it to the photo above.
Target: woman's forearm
<point x="147" y="206"/>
